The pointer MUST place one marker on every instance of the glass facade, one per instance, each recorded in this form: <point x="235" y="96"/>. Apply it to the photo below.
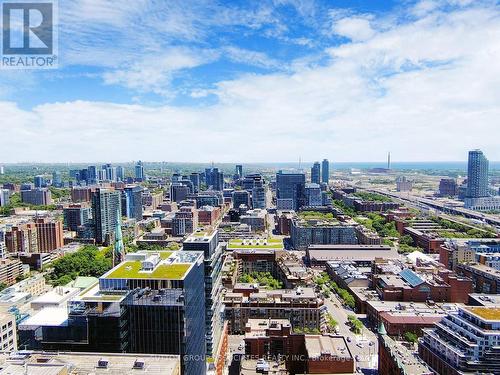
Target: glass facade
<point x="160" y="316"/>
<point x="291" y="186"/>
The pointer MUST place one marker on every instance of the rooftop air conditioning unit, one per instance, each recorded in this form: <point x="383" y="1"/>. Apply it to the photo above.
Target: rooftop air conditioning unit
<point x="139" y="363"/>
<point x="102" y="363"/>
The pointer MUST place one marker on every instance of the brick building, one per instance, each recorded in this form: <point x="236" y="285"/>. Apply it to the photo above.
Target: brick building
<point x="485" y="279"/>
<point x="50" y="234"/>
<point x="302" y="306"/>
<point x="408" y="285"/>
<point x="303" y="353"/>
<point x="208" y="215"/>
<point x="22" y="238"/>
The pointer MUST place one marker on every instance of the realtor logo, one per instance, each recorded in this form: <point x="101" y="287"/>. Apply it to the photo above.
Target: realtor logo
<point x="28" y="34"/>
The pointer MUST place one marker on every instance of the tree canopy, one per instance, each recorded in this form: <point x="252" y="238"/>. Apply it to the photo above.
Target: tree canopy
<point x="88" y="261"/>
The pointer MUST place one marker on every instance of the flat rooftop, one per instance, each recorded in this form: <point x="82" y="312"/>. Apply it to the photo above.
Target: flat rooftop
<point x="171" y="266"/>
<point x="132" y="270"/>
<point x="94" y="294"/>
<point x="201" y="235"/>
<point x="411" y="307"/>
<point x="74" y="363"/>
<point x="49" y="316"/>
<point x="354" y="254"/>
<point x="407" y="361"/>
<point x="255" y="243"/>
<point x="56" y="295"/>
<point x="482" y="268"/>
<point x="486" y="299"/>
<point x="323" y="345"/>
<point x="486" y="313"/>
<point x="249" y="367"/>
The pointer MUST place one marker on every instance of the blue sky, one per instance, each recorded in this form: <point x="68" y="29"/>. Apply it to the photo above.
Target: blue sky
<point x="260" y="81"/>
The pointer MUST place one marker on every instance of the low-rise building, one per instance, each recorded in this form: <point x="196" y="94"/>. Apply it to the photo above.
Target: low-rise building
<point x="401" y="317"/>
<point x="457" y="251"/>
<point x="302" y="353"/>
<point x="319" y="255"/>
<point x="11" y="270"/>
<point x="438" y="285"/>
<point x="327" y="355"/>
<point x="485" y="279"/>
<point x="56" y="298"/>
<point x="367" y="237"/>
<point x="396" y="359"/>
<point x="302" y="306"/>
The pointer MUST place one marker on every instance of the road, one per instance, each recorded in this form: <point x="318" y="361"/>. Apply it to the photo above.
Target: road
<point x="427" y="204"/>
<point x="360" y="344"/>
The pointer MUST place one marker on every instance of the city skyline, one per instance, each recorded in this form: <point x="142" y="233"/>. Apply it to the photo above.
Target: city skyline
<point x="349" y="81"/>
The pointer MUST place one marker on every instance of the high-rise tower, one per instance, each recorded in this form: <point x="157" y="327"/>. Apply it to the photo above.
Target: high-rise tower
<point x="477" y="175"/>
<point x="325" y="171"/>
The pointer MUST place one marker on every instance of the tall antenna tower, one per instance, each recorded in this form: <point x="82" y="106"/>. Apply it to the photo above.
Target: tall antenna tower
<point x="389" y="160"/>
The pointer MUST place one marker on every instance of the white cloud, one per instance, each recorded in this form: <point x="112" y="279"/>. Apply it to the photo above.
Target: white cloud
<point x="154" y="73"/>
<point x="253" y="58"/>
<point x="425" y="90"/>
<point x="354" y="28"/>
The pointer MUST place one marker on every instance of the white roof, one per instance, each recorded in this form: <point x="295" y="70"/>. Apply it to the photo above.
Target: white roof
<point x="57" y="295"/>
<point x="412" y="257"/>
<point x="50" y="316"/>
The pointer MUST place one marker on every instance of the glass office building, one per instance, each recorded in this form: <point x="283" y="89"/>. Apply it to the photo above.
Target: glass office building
<point x="152" y="302"/>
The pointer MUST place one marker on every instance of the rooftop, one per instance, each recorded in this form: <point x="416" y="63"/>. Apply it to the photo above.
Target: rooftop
<point x="486" y="313"/>
<point x="485" y="299"/>
<point x="350" y="252"/>
<point x="45" y="363"/>
<point x="206" y="234"/>
<point x="56" y="296"/>
<point x="49" y="316"/>
<point x="133" y="270"/>
<point x="170" y="266"/>
<point x="406" y="359"/>
<point x="321" y="345"/>
<point x="256" y="243"/>
<point x="93" y="293"/>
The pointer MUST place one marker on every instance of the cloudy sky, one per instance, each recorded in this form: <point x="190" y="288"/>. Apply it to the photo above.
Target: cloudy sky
<point x="256" y="81"/>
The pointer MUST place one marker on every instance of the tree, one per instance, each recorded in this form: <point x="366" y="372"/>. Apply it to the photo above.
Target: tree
<point x="88" y="261"/>
<point x="355" y="323"/>
<point x="332" y="323"/>
<point x="406" y="240"/>
<point x="411" y="337"/>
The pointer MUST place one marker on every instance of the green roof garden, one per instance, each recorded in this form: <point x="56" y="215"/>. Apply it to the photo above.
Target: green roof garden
<point x="269" y="243"/>
<point x="163" y="254"/>
<point x="132" y="270"/>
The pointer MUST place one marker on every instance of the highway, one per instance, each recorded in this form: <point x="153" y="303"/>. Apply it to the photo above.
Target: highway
<point x="431" y="204"/>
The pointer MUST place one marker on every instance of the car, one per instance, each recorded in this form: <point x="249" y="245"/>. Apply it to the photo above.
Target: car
<point x="348" y="339"/>
<point x="371" y="343"/>
<point x="357" y="358"/>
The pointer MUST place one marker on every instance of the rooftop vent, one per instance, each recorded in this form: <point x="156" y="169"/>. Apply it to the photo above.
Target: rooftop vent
<point x="102" y="363"/>
<point x="139" y="363"/>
